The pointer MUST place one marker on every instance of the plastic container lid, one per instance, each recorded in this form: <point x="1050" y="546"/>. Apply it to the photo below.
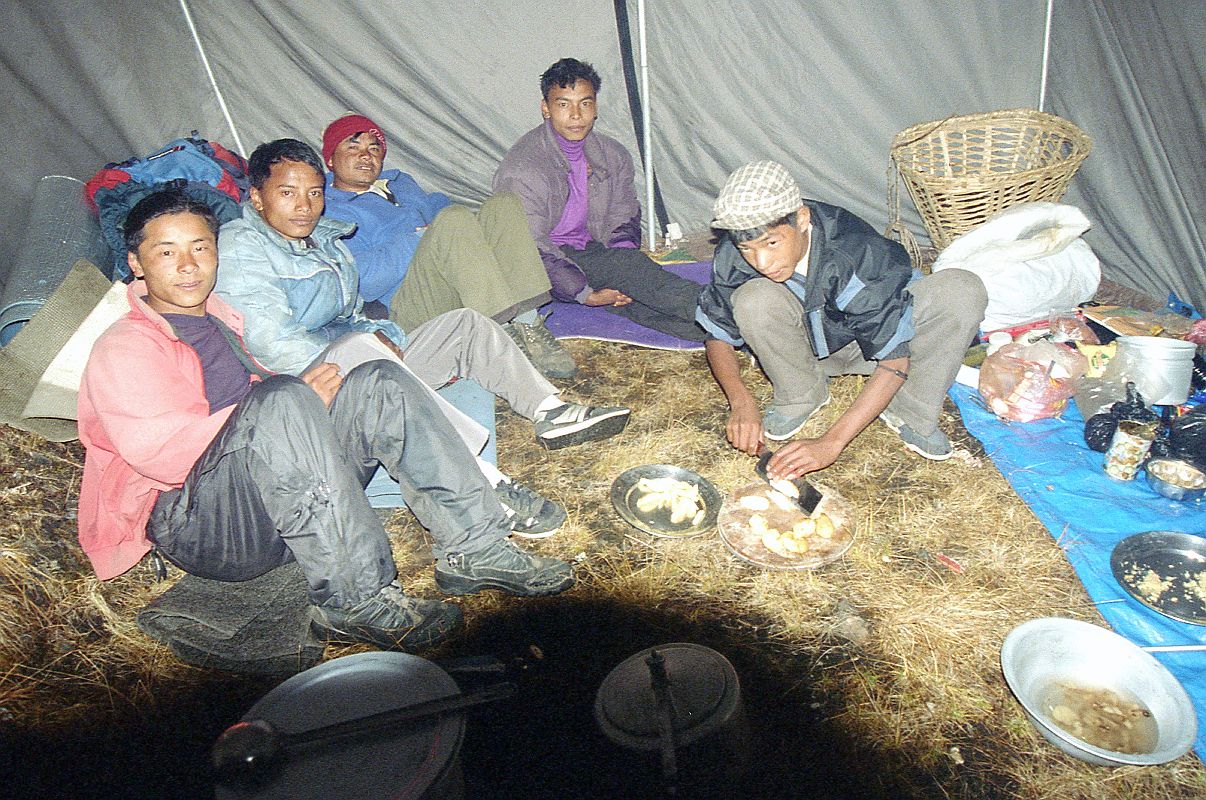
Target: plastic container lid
<point x="702" y="682"/>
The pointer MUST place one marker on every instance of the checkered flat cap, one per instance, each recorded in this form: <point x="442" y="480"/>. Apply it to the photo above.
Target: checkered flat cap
<point x="754" y="195"/>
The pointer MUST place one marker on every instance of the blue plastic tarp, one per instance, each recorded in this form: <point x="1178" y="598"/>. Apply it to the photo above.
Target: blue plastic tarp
<point x="1052" y="469"/>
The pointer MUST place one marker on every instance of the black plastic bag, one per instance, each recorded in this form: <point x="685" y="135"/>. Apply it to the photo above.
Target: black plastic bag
<point x="1187" y="437"/>
<point x="1099" y="428"/>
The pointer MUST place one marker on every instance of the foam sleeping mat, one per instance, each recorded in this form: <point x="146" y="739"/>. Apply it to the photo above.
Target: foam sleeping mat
<point x="574" y="321"/>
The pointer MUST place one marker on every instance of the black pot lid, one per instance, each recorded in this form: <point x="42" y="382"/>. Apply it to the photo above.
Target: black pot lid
<point x="702" y="683"/>
<point x="401" y="764"/>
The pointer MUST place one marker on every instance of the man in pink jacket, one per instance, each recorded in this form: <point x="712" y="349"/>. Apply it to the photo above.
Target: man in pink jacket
<point x="191" y="446"/>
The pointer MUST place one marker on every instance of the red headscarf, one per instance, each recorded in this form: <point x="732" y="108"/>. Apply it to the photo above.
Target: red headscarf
<point x="346" y="126"/>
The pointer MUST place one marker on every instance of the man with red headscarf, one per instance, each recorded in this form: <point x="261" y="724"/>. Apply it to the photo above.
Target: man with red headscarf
<point x="420" y="255"/>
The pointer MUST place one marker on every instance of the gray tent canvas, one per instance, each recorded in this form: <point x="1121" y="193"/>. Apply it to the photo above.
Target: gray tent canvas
<point x="820" y="87"/>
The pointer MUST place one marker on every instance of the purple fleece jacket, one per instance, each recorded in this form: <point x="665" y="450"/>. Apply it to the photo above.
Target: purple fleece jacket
<point x="537" y="171"/>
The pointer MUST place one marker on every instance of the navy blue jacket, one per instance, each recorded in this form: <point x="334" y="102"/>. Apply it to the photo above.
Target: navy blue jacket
<point x="855" y="289"/>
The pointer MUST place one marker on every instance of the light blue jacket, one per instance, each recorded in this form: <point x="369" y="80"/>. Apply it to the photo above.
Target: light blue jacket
<point x="295" y="299"/>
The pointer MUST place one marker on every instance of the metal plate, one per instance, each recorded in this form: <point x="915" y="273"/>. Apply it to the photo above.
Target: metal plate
<point x="735" y="531"/>
<point x="624" y="496"/>
<point x="1166" y="571"/>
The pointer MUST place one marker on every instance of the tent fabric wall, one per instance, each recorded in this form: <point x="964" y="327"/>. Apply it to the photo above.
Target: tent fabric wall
<point x="821" y="87"/>
<point x="453" y="85"/>
<point x="1132" y="74"/>
<point x="86" y="83"/>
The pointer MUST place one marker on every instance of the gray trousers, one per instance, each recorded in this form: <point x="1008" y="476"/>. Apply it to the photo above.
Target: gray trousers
<point x="948" y="307"/>
<point x="284" y="480"/>
<point x="465" y="344"/>
<point x="661" y="300"/>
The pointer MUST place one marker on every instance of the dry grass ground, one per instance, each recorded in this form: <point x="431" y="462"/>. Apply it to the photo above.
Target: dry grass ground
<point x="888" y="656"/>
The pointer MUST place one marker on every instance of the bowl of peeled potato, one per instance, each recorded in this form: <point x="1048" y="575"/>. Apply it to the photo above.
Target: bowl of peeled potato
<point x="665" y="500"/>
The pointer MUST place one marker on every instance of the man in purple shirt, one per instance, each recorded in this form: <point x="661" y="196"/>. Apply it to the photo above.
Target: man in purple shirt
<point x="576" y="187"/>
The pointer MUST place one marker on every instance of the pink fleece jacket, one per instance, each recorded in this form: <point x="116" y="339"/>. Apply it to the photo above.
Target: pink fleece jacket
<point x="144" y="421"/>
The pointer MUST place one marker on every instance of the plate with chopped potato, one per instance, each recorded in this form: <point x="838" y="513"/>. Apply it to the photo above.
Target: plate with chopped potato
<point x="765" y="527"/>
<point x="1166" y="571"/>
<point x="666" y="500"/>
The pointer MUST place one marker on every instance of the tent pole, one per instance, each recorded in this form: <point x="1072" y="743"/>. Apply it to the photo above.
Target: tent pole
<point x="238" y="142"/>
<point x="646" y="135"/>
<point x="1042" y="99"/>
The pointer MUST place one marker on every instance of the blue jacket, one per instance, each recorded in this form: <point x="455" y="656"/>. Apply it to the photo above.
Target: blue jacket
<point x="855" y="289"/>
<point x="295" y="299"/>
<point x="387" y="234"/>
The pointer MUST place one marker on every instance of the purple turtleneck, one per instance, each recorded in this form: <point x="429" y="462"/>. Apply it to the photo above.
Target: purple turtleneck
<point x="571" y="230"/>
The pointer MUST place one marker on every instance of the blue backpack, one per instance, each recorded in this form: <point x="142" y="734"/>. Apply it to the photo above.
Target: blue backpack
<point x="203" y="170"/>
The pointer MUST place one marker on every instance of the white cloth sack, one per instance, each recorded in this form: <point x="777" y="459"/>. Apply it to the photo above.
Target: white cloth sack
<point x="1031" y="259"/>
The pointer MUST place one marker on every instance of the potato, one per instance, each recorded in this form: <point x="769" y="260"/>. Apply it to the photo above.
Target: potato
<point x="785" y="488"/>
<point x="804" y="528"/>
<point x="649" y="502"/>
<point x="682" y="508"/>
<point x="779" y="544"/>
<point x="824" y="526"/>
<point x="755" y="502"/>
<point x="783" y="501"/>
<point x="681" y="499"/>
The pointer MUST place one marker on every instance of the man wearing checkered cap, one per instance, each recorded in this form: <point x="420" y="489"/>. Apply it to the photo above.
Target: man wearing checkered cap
<point x="815" y="292"/>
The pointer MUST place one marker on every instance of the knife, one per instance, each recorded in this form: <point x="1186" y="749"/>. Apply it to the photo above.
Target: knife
<point x="807" y="496"/>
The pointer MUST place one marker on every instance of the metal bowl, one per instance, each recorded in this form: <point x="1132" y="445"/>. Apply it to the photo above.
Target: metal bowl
<point x="1165" y="485"/>
<point x="1042" y="654"/>
<point x="624" y="496"/>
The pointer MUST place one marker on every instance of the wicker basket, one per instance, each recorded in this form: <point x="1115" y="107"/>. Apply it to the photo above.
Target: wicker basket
<point x="962" y="170"/>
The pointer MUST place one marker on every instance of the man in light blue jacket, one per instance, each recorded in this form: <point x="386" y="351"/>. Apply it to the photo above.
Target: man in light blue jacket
<point x="287" y="269"/>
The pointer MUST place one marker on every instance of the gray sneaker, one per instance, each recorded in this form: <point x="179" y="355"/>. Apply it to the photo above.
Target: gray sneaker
<point x="505" y="567"/>
<point x="935" y="447"/>
<point x="572" y="423"/>
<point x="779" y="426"/>
<point x="531" y="516"/>
<point x="542" y="348"/>
<point x="389" y="619"/>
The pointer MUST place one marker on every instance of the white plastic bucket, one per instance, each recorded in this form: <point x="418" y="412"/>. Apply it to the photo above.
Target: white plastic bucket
<point x="1161" y="368"/>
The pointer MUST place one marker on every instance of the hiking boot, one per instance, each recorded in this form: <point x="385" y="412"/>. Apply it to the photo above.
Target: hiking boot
<point x="571" y="423"/>
<point x="778" y="426"/>
<point x="389" y="619"/>
<point x="935" y="447"/>
<point x="505" y="567"/>
<point x="531" y="516"/>
<point x="540" y="346"/>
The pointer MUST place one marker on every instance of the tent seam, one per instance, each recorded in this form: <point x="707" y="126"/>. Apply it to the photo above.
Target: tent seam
<point x="213" y="82"/>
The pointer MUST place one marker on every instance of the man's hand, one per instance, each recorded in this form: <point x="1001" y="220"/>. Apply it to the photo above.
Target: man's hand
<point x="803" y="456"/>
<point x="388" y="342"/>
<point x="809" y="455"/>
<point x="744" y="428"/>
<point x="325" y="380"/>
<point x="607" y="297"/>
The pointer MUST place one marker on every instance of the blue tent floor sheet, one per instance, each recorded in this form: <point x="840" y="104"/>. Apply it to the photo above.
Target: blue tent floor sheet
<point x="1061" y="479"/>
